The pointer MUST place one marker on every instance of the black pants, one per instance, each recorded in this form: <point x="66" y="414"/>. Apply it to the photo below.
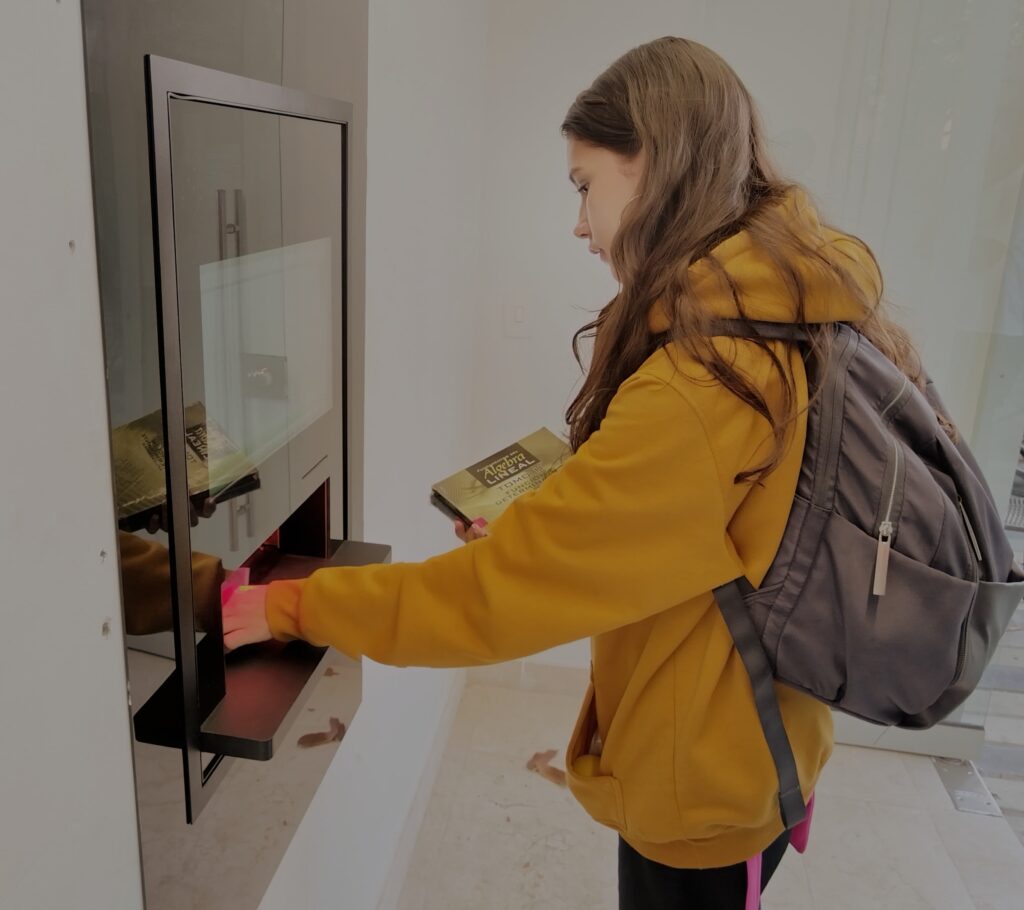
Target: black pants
<point x="647" y="885"/>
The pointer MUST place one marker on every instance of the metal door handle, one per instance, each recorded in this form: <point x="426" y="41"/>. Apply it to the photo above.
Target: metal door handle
<point x="235" y="506"/>
<point x="228" y="228"/>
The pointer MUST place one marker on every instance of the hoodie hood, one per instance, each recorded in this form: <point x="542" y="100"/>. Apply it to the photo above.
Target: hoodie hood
<point x="763" y="291"/>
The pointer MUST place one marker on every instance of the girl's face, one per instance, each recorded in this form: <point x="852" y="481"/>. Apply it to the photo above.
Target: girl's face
<point x="607" y="182"/>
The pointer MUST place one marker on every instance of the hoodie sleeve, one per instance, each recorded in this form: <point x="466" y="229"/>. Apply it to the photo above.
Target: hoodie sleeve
<point x="629" y="526"/>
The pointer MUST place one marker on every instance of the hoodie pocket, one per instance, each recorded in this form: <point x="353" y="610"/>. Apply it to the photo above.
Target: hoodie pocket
<point x="599" y="794"/>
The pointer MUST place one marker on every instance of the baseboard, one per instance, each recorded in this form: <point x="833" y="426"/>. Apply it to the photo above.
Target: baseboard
<point x="410" y="830"/>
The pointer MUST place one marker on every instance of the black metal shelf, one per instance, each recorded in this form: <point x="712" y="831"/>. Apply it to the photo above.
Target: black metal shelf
<point x="265" y="685"/>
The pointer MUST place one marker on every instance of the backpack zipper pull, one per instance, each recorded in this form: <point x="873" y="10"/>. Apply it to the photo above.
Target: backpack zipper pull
<point x="970" y="529"/>
<point x="882" y="558"/>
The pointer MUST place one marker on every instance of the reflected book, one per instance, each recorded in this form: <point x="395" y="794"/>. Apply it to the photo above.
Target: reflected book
<point x="484" y="490"/>
<point x="216" y="467"/>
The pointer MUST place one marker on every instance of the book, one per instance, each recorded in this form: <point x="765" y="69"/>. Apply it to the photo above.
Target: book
<point x="217" y="468"/>
<point x="485" y="489"/>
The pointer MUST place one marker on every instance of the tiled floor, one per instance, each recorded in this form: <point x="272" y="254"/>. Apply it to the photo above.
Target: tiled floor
<point x="498" y="837"/>
<point x="1001" y="697"/>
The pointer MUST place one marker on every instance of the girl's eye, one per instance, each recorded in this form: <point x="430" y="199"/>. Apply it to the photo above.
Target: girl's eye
<point x="583" y="188"/>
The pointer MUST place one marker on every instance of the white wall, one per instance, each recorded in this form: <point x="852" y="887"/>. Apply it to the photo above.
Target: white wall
<point x="66" y="790"/>
<point x="540" y="55"/>
<point x="935" y="171"/>
<point x="902" y="117"/>
<point x="423" y="297"/>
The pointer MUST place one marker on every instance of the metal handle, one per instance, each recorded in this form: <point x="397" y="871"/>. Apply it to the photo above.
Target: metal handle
<point x="235" y="506"/>
<point x="233" y="525"/>
<point x="239" y="224"/>
<point x="250" y="519"/>
<point x="227" y="228"/>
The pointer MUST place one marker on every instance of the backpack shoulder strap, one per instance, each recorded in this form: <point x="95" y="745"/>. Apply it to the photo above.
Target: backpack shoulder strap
<point x="730" y="599"/>
<point x="774" y="331"/>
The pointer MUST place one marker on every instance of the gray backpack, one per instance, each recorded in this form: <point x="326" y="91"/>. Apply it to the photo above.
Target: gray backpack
<point x="894" y="580"/>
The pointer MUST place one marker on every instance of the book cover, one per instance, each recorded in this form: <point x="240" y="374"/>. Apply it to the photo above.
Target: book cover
<point x="484" y="490"/>
<point x="214" y="464"/>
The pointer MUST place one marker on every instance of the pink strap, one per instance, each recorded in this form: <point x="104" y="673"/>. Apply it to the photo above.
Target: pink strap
<point x="798" y="839"/>
<point x="801" y="833"/>
<point x="753" y="883"/>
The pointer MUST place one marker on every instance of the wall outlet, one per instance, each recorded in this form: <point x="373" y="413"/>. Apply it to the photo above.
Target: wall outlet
<point x="515" y="318"/>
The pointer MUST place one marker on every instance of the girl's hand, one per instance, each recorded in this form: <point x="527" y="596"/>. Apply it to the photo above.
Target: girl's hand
<point x="475" y="531"/>
<point x="245" y="617"/>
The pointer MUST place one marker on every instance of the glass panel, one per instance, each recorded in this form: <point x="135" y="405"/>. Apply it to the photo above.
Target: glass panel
<point x="932" y="179"/>
<point x="249" y="336"/>
<point x="999" y="430"/>
<point x="257" y="224"/>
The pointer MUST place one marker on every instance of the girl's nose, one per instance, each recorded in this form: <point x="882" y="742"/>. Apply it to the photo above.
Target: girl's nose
<point x="582" y="228"/>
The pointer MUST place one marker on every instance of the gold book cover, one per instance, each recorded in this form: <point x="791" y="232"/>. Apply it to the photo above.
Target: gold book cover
<point x="213" y="461"/>
<point x="483" y="490"/>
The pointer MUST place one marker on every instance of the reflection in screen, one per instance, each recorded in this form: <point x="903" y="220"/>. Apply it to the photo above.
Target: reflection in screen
<point x="266" y="347"/>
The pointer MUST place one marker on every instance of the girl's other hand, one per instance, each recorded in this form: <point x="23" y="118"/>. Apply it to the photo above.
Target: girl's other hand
<point x="474" y="531"/>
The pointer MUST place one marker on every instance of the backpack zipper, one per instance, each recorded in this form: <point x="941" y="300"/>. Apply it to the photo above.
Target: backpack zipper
<point x="893" y="401"/>
<point x="970" y="532"/>
<point x="830" y="429"/>
<point x="885" y="526"/>
<point x="961" y="654"/>
<point x="885" y="529"/>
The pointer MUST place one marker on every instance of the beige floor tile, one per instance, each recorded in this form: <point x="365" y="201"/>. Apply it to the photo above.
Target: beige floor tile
<point x="1000" y="729"/>
<point x="414" y="891"/>
<point x="520" y="866"/>
<point x="989" y="858"/>
<point x="511" y="721"/>
<point x="1015" y="820"/>
<point x="1008" y="793"/>
<point x="509" y="674"/>
<point x="931" y="792"/>
<point x="1007" y="704"/>
<point x="498" y="837"/>
<point x="449" y="775"/>
<point x="1014" y="635"/>
<point x="465" y="720"/>
<point x="498" y="789"/>
<point x="789" y="888"/>
<point x="556" y="680"/>
<point x="978" y="701"/>
<point x="873" y="775"/>
<point x="530" y="676"/>
<point x="1006" y="656"/>
<point x="867" y="855"/>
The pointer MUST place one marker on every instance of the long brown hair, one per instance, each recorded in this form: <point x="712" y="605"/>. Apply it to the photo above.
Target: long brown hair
<point x="707" y="177"/>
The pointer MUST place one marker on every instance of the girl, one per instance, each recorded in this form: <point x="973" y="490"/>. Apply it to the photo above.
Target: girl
<point x="687" y="449"/>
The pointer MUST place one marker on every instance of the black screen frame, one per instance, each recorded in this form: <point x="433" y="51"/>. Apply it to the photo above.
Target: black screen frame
<point x="168" y="80"/>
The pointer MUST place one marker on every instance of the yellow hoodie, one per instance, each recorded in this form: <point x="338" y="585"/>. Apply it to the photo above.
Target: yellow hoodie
<point x="625" y="544"/>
